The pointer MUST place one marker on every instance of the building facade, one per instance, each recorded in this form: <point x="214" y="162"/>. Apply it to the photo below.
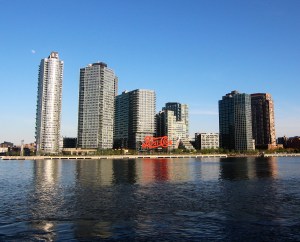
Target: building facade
<point x="235" y="122"/>
<point x="69" y="142"/>
<point x="176" y="108"/>
<point x="206" y="141"/>
<point x="282" y="141"/>
<point x="97" y="91"/>
<point x="181" y="112"/>
<point x="134" y="118"/>
<point x="263" y="124"/>
<point x="293" y="142"/>
<point x="6" y="144"/>
<point x="173" y="122"/>
<point x="48" y="112"/>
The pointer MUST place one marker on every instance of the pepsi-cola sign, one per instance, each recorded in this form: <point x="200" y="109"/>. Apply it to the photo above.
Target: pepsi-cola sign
<point x="156" y="142"/>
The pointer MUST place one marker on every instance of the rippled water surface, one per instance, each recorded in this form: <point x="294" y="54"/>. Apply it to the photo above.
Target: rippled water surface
<point x="240" y="199"/>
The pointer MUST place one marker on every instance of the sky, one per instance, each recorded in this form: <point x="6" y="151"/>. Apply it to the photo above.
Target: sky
<point x="192" y="52"/>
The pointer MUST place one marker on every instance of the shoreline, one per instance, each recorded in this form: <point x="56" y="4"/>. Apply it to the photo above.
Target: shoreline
<point x="98" y="157"/>
<point x="167" y="156"/>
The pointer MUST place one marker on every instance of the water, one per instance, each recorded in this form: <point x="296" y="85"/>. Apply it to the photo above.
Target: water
<point x="240" y="199"/>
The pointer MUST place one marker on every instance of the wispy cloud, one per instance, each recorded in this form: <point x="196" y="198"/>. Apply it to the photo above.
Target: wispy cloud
<point x="33" y="51"/>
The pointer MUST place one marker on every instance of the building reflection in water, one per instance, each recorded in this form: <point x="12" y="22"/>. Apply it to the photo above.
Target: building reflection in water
<point x="117" y="185"/>
<point x="233" y="169"/>
<point x="105" y="172"/>
<point x="179" y="171"/>
<point x="209" y="169"/>
<point x="156" y="170"/>
<point x="161" y="170"/>
<point x="104" y="188"/>
<point x="92" y="179"/>
<point x="145" y="171"/>
<point x="46" y="172"/>
<point x="247" y="195"/>
<point x="105" y="198"/>
<point x="248" y="168"/>
<point x="124" y="171"/>
<point x="46" y="200"/>
<point x="94" y="173"/>
<point x="266" y="167"/>
<point x="206" y="169"/>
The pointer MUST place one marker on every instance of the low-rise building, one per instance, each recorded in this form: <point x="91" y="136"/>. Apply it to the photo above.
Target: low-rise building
<point x="206" y="141"/>
<point x="3" y="150"/>
<point x="293" y="142"/>
<point x="282" y="141"/>
<point x="6" y="144"/>
<point x="69" y="142"/>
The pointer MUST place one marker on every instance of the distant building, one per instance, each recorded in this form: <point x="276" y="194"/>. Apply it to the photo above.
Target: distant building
<point x="134" y="118"/>
<point x="263" y="124"/>
<point x="206" y="141"/>
<point x="6" y="144"/>
<point x="282" y="141"/>
<point x="97" y="91"/>
<point x="69" y="142"/>
<point x="288" y="142"/>
<point x="173" y="122"/>
<point x="30" y="146"/>
<point x="293" y="142"/>
<point x="3" y="150"/>
<point x="48" y="111"/>
<point x="235" y="122"/>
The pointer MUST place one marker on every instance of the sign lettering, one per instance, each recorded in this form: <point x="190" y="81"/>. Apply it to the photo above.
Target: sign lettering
<point x="155" y="142"/>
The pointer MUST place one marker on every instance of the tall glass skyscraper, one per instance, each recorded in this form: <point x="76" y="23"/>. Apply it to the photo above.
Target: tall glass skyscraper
<point x="235" y="122"/>
<point x="134" y="118"/>
<point x="48" y="112"/>
<point x="97" y="91"/>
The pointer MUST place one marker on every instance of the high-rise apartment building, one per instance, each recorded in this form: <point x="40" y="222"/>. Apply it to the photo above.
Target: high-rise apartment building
<point x="172" y="121"/>
<point x="48" y="112"/>
<point x="176" y="108"/>
<point x="97" y="91"/>
<point x="134" y="118"/>
<point x="263" y="124"/>
<point x="235" y="122"/>
<point x="181" y="112"/>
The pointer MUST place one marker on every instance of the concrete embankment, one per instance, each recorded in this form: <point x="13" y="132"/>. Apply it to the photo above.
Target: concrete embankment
<point x="108" y="157"/>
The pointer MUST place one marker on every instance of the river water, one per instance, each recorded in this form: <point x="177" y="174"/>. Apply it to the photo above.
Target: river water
<point x="207" y="199"/>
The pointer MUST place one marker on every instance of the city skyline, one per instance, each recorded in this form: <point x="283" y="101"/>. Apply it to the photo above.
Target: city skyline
<point x="191" y="54"/>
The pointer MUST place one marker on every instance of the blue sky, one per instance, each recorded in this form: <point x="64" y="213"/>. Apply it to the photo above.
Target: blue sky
<point x="192" y="52"/>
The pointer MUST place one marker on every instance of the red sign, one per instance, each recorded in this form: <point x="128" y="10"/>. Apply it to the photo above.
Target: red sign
<point x="152" y="142"/>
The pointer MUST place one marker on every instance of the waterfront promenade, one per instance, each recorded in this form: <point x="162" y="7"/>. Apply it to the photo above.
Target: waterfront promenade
<point x="140" y="156"/>
<point x="90" y="157"/>
<point x="282" y="155"/>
